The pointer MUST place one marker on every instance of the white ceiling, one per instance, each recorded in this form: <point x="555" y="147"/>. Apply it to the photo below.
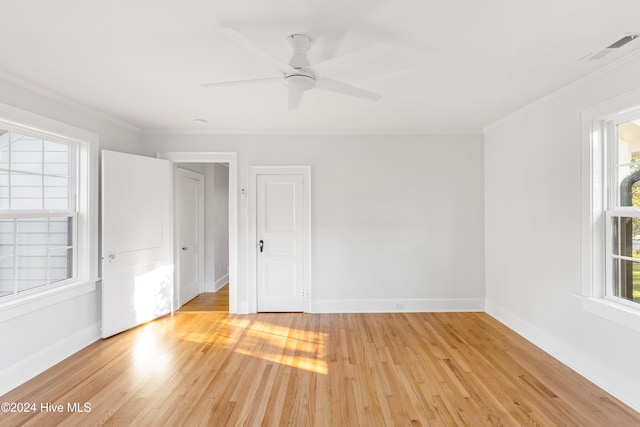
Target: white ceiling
<point x="457" y="65"/>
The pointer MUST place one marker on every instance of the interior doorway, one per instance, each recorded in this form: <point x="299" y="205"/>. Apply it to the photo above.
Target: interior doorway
<point x="190" y="239"/>
<point x="229" y="161"/>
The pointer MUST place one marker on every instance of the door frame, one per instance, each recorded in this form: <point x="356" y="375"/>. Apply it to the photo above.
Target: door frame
<point x="179" y="173"/>
<point x="305" y="171"/>
<point x="232" y="160"/>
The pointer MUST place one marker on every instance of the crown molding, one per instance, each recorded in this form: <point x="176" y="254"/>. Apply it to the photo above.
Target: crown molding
<point x="55" y="96"/>
<point x="310" y="132"/>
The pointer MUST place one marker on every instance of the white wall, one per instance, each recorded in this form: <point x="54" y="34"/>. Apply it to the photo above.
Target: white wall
<point x="218" y="221"/>
<point x="532" y="211"/>
<point x="209" y="230"/>
<point x="34" y="342"/>
<point x="395" y="219"/>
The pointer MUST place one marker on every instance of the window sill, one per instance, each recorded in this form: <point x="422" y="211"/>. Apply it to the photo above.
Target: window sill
<point x="612" y="311"/>
<point x="22" y="305"/>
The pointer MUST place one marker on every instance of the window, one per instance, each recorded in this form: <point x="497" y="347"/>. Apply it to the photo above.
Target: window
<point x="37" y="211"/>
<point x="610" y="210"/>
<point x="622" y="224"/>
<point x="48" y="212"/>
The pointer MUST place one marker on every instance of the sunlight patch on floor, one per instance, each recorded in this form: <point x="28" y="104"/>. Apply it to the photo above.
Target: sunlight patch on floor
<point x="286" y="346"/>
<point x="318" y="366"/>
<point x="271" y="342"/>
<point x="150" y="356"/>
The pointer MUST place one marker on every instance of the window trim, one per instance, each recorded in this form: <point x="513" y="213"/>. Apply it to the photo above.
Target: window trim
<point x="86" y="194"/>
<point x="595" y="197"/>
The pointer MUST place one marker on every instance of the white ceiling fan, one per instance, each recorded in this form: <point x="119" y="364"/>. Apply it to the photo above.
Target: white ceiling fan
<point x="299" y="75"/>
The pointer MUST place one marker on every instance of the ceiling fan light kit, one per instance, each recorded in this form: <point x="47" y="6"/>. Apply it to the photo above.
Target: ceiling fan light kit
<point x="302" y="82"/>
<point x="298" y="75"/>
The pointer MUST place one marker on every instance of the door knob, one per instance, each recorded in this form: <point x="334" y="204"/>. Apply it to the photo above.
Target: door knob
<point x="261" y="245"/>
<point x="185" y="248"/>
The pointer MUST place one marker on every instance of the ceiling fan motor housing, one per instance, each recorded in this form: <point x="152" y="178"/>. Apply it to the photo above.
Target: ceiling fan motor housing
<point x="300" y="45"/>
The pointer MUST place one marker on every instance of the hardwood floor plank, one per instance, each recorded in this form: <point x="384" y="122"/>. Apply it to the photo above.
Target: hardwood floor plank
<point x="202" y="366"/>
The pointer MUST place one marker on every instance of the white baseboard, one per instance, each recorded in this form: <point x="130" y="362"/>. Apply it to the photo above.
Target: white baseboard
<point x="593" y="370"/>
<point x="21" y="372"/>
<point x="417" y="305"/>
<point x="221" y="282"/>
<point x="242" y="308"/>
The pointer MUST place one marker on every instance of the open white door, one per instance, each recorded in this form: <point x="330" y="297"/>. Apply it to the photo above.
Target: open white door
<point x="137" y="235"/>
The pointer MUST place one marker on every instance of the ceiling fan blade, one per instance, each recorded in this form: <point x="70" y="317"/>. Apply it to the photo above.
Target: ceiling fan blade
<point x="354" y="60"/>
<point x="243" y="82"/>
<point x="294" y="98"/>
<point x="283" y="67"/>
<point x="345" y="89"/>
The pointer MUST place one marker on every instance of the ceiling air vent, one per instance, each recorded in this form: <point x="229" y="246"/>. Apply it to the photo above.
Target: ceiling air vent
<point x="623" y="41"/>
<point x="600" y="53"/>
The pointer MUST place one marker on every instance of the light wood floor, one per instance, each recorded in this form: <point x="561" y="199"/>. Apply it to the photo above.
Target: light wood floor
<point x="209" y="301"/>
<point x="209" y="368"/>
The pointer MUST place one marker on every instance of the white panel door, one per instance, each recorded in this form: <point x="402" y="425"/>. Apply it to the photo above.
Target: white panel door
<point x="279" y="226"/>
<point x="137" y="241"/>
<point x="190" y="233"/>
